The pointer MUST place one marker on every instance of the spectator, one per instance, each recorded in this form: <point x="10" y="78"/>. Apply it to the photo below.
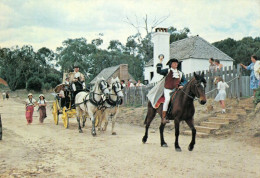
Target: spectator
<point x="29" y="106"/>
<point x="130" y="84"/>
<point x="139" y="84"/>
<point x="254" y="83"/>
<point x="212" y="66"/>
<point x="42" y="108"/>
<point x="7" y="95"/>
<point x="221" y="96"/>
<point x="218" y="65"/>
<point x="123" y="84"/>
<point x="3" y="95"/>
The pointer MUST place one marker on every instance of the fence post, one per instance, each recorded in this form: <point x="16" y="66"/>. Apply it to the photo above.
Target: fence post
<point x="237" y="83"/>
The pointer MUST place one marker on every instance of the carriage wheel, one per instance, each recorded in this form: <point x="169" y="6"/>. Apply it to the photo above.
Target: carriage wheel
<point x="55" y="112"/>
<point x="65" y="118"/>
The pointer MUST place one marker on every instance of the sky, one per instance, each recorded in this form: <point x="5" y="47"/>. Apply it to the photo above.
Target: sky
<point x="47" y="23"/>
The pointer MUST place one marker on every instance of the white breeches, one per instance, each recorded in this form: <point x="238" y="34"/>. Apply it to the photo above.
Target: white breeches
<point x="74" y="86"/>
<point x="167" y="98"/>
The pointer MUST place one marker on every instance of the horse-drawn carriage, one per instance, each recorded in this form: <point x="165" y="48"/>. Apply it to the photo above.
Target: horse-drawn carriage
<point x="86" y="104"/>
<point x="64" y="105"/>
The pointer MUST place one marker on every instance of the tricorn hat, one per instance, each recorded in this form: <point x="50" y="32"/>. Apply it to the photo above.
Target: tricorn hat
<point x="171" y="61"/>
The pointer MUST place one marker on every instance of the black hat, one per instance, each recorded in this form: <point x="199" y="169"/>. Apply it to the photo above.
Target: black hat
<point x="171" y="61"/>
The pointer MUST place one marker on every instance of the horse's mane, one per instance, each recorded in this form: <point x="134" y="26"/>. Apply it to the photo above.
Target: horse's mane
<point x="113" y="80"/>
<point x="97" y="82"/>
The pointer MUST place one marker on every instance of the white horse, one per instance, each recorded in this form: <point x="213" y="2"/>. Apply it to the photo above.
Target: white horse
<point x="87" y="103"/>
<point x="111" y="105"/>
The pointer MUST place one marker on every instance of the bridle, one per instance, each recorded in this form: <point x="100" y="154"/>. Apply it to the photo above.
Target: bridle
<point x="102" y="84"/>
<point x="190" y="94"/>
<point x="116" y="85"/>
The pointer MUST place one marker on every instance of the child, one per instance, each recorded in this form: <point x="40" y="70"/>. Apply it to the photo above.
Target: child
<point x="29" y="105"/>
<point x="222" y="93"/>
<point x="42" y="108"/>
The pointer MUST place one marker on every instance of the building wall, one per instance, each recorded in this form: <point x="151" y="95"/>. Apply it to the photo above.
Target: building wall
<point x="147" y="73"/>
<point x="161" y="45"/>
<point x="122" y="74"/>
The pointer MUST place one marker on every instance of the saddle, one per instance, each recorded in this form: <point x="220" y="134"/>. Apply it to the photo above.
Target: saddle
<point x="161" y="100"/>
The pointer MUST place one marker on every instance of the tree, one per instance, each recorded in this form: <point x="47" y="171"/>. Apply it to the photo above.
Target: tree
<point x="76" y="50"/>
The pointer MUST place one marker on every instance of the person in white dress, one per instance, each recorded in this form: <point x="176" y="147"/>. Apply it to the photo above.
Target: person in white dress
<point x="221" y="96"/>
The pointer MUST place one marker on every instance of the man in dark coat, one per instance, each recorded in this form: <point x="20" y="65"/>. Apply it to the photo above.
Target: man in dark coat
<point x="174" y="79"/>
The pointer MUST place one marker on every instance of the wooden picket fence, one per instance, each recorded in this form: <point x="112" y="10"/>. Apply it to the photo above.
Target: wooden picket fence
<point x="239" y="86"/>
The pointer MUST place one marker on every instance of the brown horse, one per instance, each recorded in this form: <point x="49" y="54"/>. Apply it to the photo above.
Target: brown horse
<point x="182" y="109"/>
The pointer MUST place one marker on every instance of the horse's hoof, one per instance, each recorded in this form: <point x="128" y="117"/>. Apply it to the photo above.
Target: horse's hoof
<point x="80" y="131"/>
<point x="113" y="133"/>
<point x="178" y="149"/>
<point x="190" y="148"/>
<point x="144" y="140"/>
<point x="164" y="145"/>
<point x="94" y="134"/>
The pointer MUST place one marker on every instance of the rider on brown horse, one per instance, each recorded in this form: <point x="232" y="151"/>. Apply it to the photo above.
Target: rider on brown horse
<point x="174" y="79"/>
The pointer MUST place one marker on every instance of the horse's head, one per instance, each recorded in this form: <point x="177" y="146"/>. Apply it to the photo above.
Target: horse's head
<point x="103" y="86"/>
<point x="116" y="87"/>
<point x="198" y="87"/>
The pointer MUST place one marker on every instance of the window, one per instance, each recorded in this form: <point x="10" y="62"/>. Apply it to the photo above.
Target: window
<point x="151" y="75"/>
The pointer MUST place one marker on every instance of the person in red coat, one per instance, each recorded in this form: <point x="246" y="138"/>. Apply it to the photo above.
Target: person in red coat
<point x="174" y="79"/>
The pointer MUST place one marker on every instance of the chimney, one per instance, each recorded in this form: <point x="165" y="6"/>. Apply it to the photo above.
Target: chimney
<point x="123" y="72"/>
<point x="161" y="45"/>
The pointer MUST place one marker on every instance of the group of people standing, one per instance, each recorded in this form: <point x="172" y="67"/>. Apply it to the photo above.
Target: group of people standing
<point x="222" y="86"/>
<point x="31" y="103"/>
<point x="5" y="95"/>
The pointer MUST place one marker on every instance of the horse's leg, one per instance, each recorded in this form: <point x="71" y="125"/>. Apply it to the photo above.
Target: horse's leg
<point x="93" y="119"/>
<point x="151" y="112"/>
<point x="106" y="122"/>
<point x="79" y="114"/>
<point x="177" y="132"/>
<point x="84" y="120"/>
<point x="163" y="143"/>
<point x="114" y="121"/>
<point x="193" y="130"/>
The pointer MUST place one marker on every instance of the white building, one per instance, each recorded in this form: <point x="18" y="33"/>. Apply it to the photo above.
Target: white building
<point x="194" y="52"/>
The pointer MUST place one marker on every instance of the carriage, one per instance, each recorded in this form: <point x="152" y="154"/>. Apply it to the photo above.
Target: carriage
<point x="63" y="107"/>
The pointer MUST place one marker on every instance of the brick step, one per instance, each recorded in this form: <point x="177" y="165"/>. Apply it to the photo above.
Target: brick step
<point x="213" y="124"/>
<point x="227" y="116"/>
<point x="236" y="110"/>
<point x="203" y="129"/>
<point x="198" y="134"/>
<point x="220" y="120"/>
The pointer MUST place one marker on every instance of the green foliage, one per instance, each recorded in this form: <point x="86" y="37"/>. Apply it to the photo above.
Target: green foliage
<point x="34" y="83"/>
<point x="47" y="86"/>
<point x="52" y="79"/>
<point x="257" y="96"/>
<point x="176" y="35"/>
<point x="17" y="65"/>
<point x="241" y="50"/>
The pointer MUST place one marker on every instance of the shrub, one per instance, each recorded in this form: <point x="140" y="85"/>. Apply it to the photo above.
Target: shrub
<point x="47" y="86"/>
<point x="34" y="83"/>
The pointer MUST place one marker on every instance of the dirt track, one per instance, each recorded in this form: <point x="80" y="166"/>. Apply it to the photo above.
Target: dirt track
<point x="48" y="149"/>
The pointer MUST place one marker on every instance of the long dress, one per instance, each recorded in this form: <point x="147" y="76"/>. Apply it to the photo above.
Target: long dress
<point x="253" y="80"/>
<point x="42" y="111"/>
<point x="29" y="110"/>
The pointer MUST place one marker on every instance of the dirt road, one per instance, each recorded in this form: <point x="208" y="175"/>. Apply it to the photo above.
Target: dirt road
<point x="50" y="150"/>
